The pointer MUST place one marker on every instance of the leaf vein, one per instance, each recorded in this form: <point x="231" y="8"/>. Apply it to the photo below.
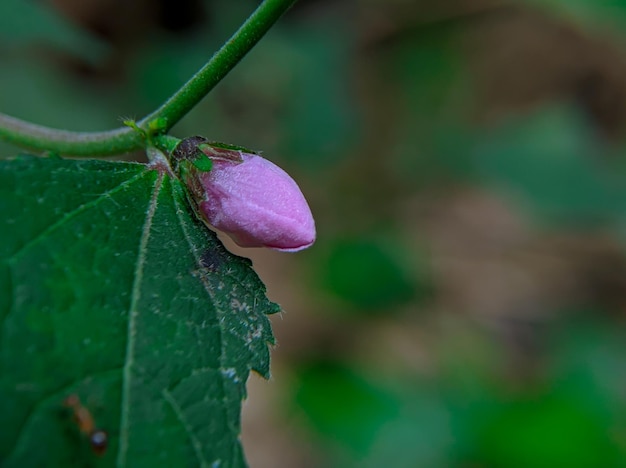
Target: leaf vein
<point x="207" y="287"/>
<point x="220" y="313"/>
<point x="75" y="212"/>
<point x="132" y="324"/>
<point x="50" y="396"/>
<point x="197" y="446"/>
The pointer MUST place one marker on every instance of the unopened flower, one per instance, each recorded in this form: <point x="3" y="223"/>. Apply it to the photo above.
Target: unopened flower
<point x="246" y="196"/>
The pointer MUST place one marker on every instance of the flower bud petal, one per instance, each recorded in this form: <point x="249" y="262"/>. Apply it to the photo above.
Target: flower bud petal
<point x="257" y="204"/>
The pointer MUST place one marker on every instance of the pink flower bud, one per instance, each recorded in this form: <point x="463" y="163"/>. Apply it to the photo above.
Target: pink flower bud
<point x="253" y="200"/>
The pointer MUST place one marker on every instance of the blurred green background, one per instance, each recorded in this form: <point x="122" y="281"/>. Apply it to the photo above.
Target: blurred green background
<point x="465" y="303"/>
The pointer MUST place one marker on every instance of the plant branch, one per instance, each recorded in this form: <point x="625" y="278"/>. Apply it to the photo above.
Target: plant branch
<point x="123" y="140"/>
<point x="37" y="137"/>
<point x="221" y="63"/>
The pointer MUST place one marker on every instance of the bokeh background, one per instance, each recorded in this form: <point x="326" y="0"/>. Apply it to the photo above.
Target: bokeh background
<point x="465" y="303"/>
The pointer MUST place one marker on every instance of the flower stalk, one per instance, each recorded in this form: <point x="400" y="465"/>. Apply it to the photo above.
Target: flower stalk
<point x="125" y="139"/>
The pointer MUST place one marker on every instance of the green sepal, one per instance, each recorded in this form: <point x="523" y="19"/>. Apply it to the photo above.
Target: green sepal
<point x="220" y="154"/>
<point x="189" y="175"/>
<point x="228" y="146"/>
<point x="202" y="162"/>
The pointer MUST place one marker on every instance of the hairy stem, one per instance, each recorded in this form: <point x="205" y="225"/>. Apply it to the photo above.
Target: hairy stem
<point x="37" y="137"/>
<point x="123" y="140"/>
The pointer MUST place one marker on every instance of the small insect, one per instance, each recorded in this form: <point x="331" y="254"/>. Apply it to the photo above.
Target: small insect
<point x="98" y="439"/>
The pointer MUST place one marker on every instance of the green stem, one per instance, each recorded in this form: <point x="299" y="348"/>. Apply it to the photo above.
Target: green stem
<point x="37" y="137"/>
<point x="123" y="140"/>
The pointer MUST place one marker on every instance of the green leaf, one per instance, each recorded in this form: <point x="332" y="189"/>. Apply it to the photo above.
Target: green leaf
<point x="369" y="275"/>
<point x="551" y="159"/>
<point x="588" y="12"/>
<point x="114" y="292"/>
<point x="343" y="405"/>
<point x="544" y="431"/>
<point x="23" y="22"/>
<point x="367" y="421"/>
